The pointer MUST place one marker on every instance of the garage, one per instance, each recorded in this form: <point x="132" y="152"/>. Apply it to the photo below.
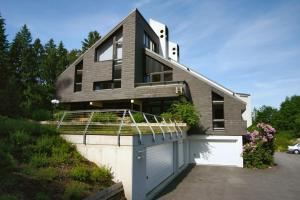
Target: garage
<point x="216" y="150"/>
<point x="159" y="164"/>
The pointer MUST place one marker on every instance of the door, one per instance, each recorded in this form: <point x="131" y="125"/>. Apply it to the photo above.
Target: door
<point x="159" y="164"/>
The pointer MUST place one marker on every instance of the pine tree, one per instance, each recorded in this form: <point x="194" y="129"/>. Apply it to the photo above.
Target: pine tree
<point x="4" y="69"/>
<point x="62" y="54"/>
<point x="50" y="63"/>
<point x="73" y="55"/>
<point x="93" y="37"/>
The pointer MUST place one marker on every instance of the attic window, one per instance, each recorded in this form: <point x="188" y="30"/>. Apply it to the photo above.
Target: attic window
<point x="218" y="111"/>
<point x="105" y="51"/>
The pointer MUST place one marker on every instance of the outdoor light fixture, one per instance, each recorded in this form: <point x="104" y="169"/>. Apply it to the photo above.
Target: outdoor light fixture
<point x="132" y="101"/>
<point x="55" y="101"/>
<point x="91" y="103"/>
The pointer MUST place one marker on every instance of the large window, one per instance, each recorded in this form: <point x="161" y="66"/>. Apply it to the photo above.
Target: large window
<point x="78" y="77"/>
<point x="105" y="51"/>
<point x="218" y="111"/>
<point x="157" y="72"/>
<point x="149" y="43"/>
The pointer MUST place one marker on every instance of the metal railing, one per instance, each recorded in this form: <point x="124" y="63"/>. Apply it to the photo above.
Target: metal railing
<point x="117" y="122"/>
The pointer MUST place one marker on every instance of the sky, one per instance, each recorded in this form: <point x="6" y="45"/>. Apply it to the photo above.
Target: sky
<point x="249" y="46"/>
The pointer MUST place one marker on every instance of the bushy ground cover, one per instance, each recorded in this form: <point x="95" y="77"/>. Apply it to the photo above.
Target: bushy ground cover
<point x="36" y="163"/>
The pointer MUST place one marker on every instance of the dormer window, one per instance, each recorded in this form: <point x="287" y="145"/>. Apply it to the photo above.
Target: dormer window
<point x="218" y="111"/>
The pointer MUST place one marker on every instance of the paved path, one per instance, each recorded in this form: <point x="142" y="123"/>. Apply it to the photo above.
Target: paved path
<point x="281" y="182"/>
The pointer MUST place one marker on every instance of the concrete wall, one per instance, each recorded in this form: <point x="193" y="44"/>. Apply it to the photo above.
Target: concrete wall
<point x="127" y="161"/>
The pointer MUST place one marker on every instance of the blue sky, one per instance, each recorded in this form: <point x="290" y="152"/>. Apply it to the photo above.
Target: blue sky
<point x="248" y="46"/>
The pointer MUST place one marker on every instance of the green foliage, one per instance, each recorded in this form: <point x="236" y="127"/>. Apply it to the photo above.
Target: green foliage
<point x="93" y="37"/>
<point x="41" y="115"/>
<point x="47" y="174"/>
<point x="167" y="115"/>
<point x="297" y="124"/>
<point x="42" y="196"/>
<point x="101" y="174"/>
<point x="80" y="173"/>
<point x="265" y="114"/>
<point x="261" y="157"/>
<point x="8" y="197"/>
<point x="138" y="117"/>
<point x="104" y="117"/>
<point x="75" y="190"/>
<point x="7" y="161"/>
<point x="185" y="112"/>
<point x="19" y="138"/>
<point x="284" y="139"/>
<point x="39" y="160"/>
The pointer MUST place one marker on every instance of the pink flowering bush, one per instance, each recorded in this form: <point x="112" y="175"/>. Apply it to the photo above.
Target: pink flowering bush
<point x="259" y="147"/>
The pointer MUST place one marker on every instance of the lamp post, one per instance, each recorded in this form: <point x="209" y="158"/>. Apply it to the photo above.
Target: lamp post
<point x="132" y="101"/>
<point x="54" y="102"/>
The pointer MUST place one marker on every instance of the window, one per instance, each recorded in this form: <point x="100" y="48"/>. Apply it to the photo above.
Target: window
<point x="218" y="111"/>
<point x="149" y="43"/>
<point x="102" y="85"/>
<point x="157" y="72"/>
<point x="78" y="77"/>
<point x="105" y="51"/>
<point x="117" y="72"/>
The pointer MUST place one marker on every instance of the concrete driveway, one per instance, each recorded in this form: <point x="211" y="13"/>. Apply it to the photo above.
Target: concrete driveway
<point x="222" y="183"/>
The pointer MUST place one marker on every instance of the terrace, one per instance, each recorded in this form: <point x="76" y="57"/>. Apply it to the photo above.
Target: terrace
<point x="121" y="122"/>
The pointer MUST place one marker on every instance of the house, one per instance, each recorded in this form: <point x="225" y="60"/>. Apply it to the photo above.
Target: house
<point x="135" y="66"/>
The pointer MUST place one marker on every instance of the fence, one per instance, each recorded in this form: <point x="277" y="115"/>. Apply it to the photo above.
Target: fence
<point x="117" y="122"/>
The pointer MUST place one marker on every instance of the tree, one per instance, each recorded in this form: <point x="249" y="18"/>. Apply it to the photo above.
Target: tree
<point x="93" y="37"/>
<point x="62" y="55"/>
<point x="265" y="114"/>
<point x="289" y="109"/>
<point x="73" y="55"/>
<point x="50" y="63"/>
<point x="4" y="69"/>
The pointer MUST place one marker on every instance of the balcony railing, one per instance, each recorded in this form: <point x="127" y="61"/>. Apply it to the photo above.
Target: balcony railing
<point x="160" y="83"/>
<point x="117" y="122"/>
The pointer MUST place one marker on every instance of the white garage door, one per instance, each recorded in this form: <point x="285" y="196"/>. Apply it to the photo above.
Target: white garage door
<point x="180" y="154"/>
<point x="216" y="150"/>
<point x="159" y="164"/>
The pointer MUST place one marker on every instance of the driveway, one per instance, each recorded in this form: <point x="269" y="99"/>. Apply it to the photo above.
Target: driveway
<point x="222" y="183"/>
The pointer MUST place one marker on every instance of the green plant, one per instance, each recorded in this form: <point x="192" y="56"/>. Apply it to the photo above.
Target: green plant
<point x="41" y="115"/>
<point x="104" y="117"/>
<point x="167" y="116"/>
<point x="19" y="138"/>
<point x="48" y="174"/>
<point x="42" y="196"/>
<point x="7" y="161"/>
<point x="8" y="197"/>
<point x="101" y="174"/>
<point x="75" y="190"/>
<point x="185" y="112"/>
<point x="39" y="160"/>
<point x="80" y="173"/>
<point x="283" y="139"/>
<point x="138" y="117"/>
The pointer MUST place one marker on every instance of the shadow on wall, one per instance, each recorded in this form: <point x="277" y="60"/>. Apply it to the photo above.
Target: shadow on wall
<point x="64" y="83"/>
<point x="199" y="148"/>
<point x="173" y="184"/>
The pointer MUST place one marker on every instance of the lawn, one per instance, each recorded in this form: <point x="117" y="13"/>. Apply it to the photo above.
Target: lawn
<point x="36" y="163"/>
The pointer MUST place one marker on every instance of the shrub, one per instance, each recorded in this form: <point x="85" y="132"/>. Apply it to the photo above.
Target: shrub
<point x="167" y="116"/>
<point x="42" y="196"/>
<point x="41" y="115"/>
<point x="138" y="117"/>
<point x="7" y="161"/>
<point x="259" y="147"/>
<point x="101" y="175"/>
<point x="8" y="197"/>
<point x="39" y="160"/>
<point x="104" y="117"/>
<point x="184" y="112"/>
<point x="80" y="173"/>
<point x="75" y="190"/>
<point x="48" y="174"/>
<point x="19" y="138"/>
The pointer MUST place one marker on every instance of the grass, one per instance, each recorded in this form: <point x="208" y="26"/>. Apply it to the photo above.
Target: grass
<point x="283" y="139"/>
<point x="36" y="163"/>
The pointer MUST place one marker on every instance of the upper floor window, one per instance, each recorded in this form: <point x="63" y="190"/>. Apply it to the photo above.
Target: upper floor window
<point x="78" y="77"/>
<point x="149" y="43"/>
<point x="105" y="51"/>
<point x="218" y="111"/>
<point x="157" y="72"/>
